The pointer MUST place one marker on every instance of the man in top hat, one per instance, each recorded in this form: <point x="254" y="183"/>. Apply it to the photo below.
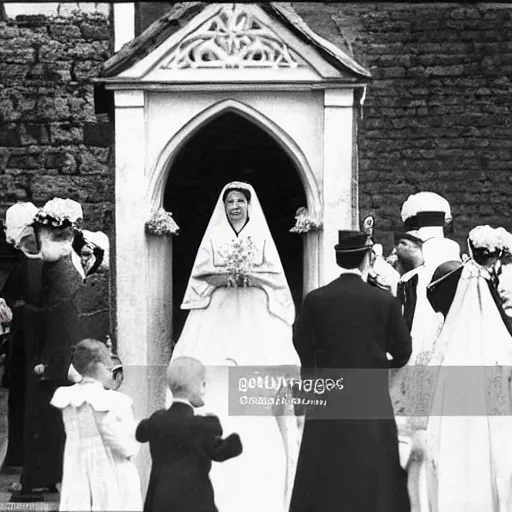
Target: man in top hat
<point x="425" y="214"/>
<point x="345" y="462"/>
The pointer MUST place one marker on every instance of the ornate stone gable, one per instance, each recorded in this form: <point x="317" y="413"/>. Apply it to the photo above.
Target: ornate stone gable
<point x="230" y="43"/>
<point x="234" y="38"/>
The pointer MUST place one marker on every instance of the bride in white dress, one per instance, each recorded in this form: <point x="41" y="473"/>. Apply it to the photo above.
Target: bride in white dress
<point x="244" y="326"/>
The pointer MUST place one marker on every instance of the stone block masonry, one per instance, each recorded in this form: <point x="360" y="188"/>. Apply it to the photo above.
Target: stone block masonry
<point x="437" y="114"/>
<point x="52" y="143"/>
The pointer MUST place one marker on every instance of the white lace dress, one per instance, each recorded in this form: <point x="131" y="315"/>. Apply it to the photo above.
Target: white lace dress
<point x="99" y="474"/>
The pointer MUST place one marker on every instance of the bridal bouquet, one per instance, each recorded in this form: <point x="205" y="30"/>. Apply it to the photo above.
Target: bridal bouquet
<point x="239" y="256"/>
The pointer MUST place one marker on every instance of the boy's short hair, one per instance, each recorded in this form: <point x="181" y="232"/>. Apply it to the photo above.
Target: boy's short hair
<point x="88" y="353"/>
<point x="183" y="373"/>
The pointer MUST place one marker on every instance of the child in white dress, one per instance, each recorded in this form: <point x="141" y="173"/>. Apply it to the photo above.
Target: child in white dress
<point x="98" y="473"/>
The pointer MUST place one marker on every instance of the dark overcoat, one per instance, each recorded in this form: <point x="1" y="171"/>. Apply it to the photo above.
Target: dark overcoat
<point x="56" y="321"/>
<point x="14" y="292"/>
<point x="349" y="464"/>
<point x="182" y="447"/>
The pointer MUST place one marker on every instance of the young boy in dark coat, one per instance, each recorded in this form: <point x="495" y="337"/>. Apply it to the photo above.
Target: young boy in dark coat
<point x="183" y="445"/>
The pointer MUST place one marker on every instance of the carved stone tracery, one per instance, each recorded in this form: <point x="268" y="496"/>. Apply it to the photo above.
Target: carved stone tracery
<point x="232" y="39"/>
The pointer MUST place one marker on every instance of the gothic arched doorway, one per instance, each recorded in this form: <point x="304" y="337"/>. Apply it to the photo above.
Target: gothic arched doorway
<point x="229" y="148"/>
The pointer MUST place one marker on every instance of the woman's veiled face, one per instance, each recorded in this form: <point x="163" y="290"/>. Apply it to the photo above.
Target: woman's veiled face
<point x="236" y="207"/>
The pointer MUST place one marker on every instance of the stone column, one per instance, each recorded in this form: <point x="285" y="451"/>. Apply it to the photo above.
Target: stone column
<point x="337" y="176"/>
<point x="131" y="214"/>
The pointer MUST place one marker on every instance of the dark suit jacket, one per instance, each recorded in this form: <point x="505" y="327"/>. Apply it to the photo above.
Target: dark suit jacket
<point x="60" y="315"/>
<point x="350" y="464"/>
<point x="182" y="447"/>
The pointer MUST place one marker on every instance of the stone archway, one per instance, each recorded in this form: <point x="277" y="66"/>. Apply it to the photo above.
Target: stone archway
<point x="159" y="173"/>
<point x="161" y="302"/>
<point x="227" y="148"/>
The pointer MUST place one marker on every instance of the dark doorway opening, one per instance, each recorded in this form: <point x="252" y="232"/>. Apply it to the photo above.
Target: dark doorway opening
<point x="230" y="148"/>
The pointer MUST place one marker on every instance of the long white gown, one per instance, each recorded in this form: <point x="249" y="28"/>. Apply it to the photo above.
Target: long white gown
<point x="468" y="449"/>
<point x="246" y="327"/>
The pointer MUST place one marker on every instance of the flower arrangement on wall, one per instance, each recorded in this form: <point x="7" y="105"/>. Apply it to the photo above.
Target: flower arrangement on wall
<point x="305" y="222"/>
<point x="162" y="224"/>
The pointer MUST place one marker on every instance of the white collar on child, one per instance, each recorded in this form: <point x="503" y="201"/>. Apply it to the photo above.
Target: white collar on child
<point x="182" y="401"/>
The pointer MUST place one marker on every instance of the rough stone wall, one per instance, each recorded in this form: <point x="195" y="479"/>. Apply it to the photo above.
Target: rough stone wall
<point x="51" y="141"/>
<point x="437" y="115"/>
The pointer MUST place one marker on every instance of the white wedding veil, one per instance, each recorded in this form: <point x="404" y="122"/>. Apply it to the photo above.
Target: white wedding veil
<point x="271" y="276"/>
<point x="468" y="433"/>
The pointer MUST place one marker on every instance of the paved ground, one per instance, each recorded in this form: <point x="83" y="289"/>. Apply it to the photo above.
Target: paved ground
<point x="6" y="480"/>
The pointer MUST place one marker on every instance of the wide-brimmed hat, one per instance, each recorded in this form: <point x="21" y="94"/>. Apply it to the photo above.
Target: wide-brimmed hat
<point x="353" y="241"/>
<point x="425" y="202"/>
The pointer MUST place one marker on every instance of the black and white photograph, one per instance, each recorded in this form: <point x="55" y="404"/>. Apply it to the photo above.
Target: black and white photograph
<point x="256" y="257"/>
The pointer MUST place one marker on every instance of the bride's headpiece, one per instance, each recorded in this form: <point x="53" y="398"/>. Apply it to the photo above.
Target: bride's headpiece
<point x="238" y="184"/>
<point x="245" y="188"/>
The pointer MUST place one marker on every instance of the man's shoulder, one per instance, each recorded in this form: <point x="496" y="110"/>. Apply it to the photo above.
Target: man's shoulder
<point x="340" y="287"/>
<point x="159" y="416"/>
<point x="378" y="295"/>
<point x="319" y="293"/>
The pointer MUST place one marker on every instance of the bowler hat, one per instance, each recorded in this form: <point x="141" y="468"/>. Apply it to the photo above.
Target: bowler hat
<point x="353" y="241"/>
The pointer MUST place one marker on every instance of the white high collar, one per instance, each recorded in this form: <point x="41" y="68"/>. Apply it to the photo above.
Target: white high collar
<point x="355" y="271"/>
<point x="182" y="401"/>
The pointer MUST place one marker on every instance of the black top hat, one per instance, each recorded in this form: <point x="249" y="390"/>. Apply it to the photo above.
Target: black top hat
<point x="407" y="236"/>
<point x="430" y="219"/>
<point x="353" y="241"/>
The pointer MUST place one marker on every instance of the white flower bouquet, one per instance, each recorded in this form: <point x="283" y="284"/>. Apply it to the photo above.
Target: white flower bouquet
<point x="162" y="224"/>
<point x="239" y="261"/>
<point x="487" y="238"/>
<point x="305" y="223"/>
